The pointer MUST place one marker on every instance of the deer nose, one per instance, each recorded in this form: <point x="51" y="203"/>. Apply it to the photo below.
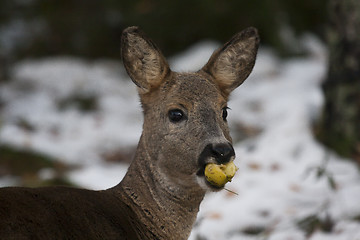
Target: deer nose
<point x="223" y="152"/>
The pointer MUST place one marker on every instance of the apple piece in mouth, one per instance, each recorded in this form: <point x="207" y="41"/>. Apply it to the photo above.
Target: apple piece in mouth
<point x="219" y="174"/>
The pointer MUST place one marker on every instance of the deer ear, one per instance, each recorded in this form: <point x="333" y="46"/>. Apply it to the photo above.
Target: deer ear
<point x="143" y="61"/>
<point x="231" y="64"/>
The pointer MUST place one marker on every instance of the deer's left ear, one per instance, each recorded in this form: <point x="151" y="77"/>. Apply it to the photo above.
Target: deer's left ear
<point x="231" y="64"/>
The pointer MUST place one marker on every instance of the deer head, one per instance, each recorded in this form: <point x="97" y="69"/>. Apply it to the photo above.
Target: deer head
<point x="185" y="125"/>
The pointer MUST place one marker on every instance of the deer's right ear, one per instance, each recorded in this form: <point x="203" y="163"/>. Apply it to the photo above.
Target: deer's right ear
<point x="143" y="61"/>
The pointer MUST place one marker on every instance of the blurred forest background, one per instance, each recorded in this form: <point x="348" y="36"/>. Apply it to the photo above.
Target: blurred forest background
<point x="91" y="29"/>
<point x="60" y="94"/>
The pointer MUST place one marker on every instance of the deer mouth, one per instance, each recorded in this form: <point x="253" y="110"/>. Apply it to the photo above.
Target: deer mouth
<point x="201" y="171"/>
<point x="201" y="175"/>
<point x="204" y="183"/>
<point x="215" y="169"/>
<point x="203" y="161"/>
<point x="217" y="175"/>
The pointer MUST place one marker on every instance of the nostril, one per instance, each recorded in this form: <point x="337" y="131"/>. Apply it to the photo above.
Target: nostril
<point x="223" y="152"/>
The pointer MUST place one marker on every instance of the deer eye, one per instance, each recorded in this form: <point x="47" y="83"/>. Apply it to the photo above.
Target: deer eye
<point x="176" y="115"/>
<point x="224" y="113"/>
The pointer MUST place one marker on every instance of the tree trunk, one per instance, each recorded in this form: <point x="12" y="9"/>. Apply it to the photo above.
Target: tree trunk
<point x="340" y="126"/>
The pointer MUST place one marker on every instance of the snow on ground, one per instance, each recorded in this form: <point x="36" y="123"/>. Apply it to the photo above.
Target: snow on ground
<point x="69" y="134"/>
<point x="278" y="159"/>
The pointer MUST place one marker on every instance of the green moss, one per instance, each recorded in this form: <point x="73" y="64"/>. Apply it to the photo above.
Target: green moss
<point x="21" y="162"/>
<point x="84" y="103"/>
<point x="357" y="218"/>
<point x="312" y="223"/>
<point x="336" y="141"/>
<point x="253" y="230"/>
<point x="26" y="165"/>
<point x="37" y="182"/>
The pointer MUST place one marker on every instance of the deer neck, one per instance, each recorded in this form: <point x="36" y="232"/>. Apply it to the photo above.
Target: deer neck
<point x="165" y="208"/>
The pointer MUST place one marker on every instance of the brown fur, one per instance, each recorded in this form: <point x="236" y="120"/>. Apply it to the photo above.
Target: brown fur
<point x="160" y="195"/>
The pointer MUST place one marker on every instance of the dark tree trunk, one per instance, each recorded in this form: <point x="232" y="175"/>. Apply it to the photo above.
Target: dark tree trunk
<point x="340" y="126"/>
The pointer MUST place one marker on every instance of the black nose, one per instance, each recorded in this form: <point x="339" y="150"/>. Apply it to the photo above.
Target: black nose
<point x="223" y="152"/>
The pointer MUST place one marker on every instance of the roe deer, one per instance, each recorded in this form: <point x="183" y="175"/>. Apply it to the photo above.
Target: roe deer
<point x="184" y="129"/>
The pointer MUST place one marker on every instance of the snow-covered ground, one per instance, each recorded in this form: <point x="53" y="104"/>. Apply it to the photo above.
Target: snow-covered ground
<point x="286" y="179"/>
